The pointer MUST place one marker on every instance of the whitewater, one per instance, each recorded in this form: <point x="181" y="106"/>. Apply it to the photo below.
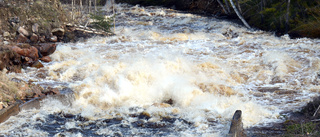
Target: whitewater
<point x="170" y="73"/>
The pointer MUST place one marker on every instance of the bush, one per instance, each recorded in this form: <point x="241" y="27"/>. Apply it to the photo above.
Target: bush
<point x="101" y="22"/>
<point x="303" y="129"/>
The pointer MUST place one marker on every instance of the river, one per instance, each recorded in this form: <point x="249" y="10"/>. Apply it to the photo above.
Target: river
<point x="170" y="73"/>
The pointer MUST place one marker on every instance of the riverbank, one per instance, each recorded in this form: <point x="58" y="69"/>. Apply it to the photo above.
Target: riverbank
<point x="297" y="19"/>
<point x="30" y="32"/>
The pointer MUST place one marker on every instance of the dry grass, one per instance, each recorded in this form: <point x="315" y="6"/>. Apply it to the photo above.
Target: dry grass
<point x="9" y="90"/>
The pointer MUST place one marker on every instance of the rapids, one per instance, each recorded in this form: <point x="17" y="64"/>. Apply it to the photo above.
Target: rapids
<point x="169" y="73"/>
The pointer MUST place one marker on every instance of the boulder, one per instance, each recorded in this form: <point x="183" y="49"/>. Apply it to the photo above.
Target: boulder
<point x="54" y="39"/>
<point x="45" y="59"/>
<point x="46" y="48"/>
<point x="34" y="38"/>
<point x="30" y="52"/>
<point x="58" y="32"/>
<point x="9" y="60"/>
<point x="6" y="34"/>
<point x="37" y="64"/>
<point x="51" y="91"/>
<point x="42" y="39"/>
<point x="23" y="31"/>
<point x="22" y="39"/>
<point x="236" y="127"/>
<point x="35" y="28"/>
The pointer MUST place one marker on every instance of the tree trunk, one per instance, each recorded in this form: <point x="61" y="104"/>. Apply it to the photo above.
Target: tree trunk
<point x="224" y="9"/>
<point x="114" y="18"/>
<point x="81" y="5"/>
<point x="227" y="5"/>
<point x="95" y="6"/>
<point x="89" y="6"/>
<point x="287" y="18"/>
<point x="238" y="5"/>
<point x="72" y="12"/>
<point x="239" y="15"/>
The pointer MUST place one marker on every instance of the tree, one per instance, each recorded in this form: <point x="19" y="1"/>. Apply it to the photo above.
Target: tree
<point x="224" y="9"/>
<point x="287" y="17"/>
<point x="239" y="15"/>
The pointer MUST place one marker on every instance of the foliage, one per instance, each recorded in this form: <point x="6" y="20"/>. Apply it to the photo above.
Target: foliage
<point x="303" y="129"/>
<point x="9" y="89"/>
<point x="101" y="22"/>
<point x="304" y="16"/>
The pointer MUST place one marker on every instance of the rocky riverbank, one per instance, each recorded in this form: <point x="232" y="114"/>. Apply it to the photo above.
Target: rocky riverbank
<point x="29" y="33"/>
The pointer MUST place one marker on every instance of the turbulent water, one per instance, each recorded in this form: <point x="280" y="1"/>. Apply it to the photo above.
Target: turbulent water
<point x="168" y="73"/>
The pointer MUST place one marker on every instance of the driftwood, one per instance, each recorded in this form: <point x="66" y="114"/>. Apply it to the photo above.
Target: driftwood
<point x="89" y="30"/>
<point x="236" y="127"/>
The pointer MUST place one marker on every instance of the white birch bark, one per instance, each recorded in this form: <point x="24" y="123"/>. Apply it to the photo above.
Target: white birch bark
<point x="95" y="5"/>
<point x="287" y="18"/>
<point x="239" y="15"/>
<point x="89" y="6"/>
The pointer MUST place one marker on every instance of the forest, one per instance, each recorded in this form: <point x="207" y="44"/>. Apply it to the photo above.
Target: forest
<point x="298" y="18"/>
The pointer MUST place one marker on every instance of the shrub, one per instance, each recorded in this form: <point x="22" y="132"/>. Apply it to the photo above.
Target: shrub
<point x="101" y="22"/>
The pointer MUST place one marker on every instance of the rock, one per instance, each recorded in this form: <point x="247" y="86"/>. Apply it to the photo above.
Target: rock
<point x="46" y="48"/>
<point x="35" y="28"/>
<point x="9" y="60"/>
<point x="14" y="20"/>
<point x="37" y="64"/>
<point x="34" y="38"/>
<point x="28" y="61"/>
<point x="51" y="91"/>
<point x="21" y="30"/>
<point x="6" y="34"/>
<point x="42" y="39"/>
<point x="144" y="115"/>
<point x="54" y="39"/>
<point x="236" y="127"/>
<point x="45" y="59"/>
<point x="22" y="39"/>
<point x="30" y="52"/>
<point x="58" y="32"/>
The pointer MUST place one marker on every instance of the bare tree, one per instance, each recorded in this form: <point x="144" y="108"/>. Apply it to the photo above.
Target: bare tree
<point x="238" y="5"/>
<point x="224" y="9"/>
<point x="95" y="5"/>
<point x="81" y="5"/>
<point x="239" y="15"/>
<point x="89" y="6"/>
<point x="287" y="18"/>
<point x="227" y="5"/>
<point x="114" y="18"/>
<point x="72" y="12"/>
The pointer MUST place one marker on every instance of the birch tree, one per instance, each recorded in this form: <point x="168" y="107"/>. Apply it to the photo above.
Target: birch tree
<point x="287" y="16"/>
<point x="239" y="15"/>
<point x="89" y="6"/>
<point x="95" y="6"/>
